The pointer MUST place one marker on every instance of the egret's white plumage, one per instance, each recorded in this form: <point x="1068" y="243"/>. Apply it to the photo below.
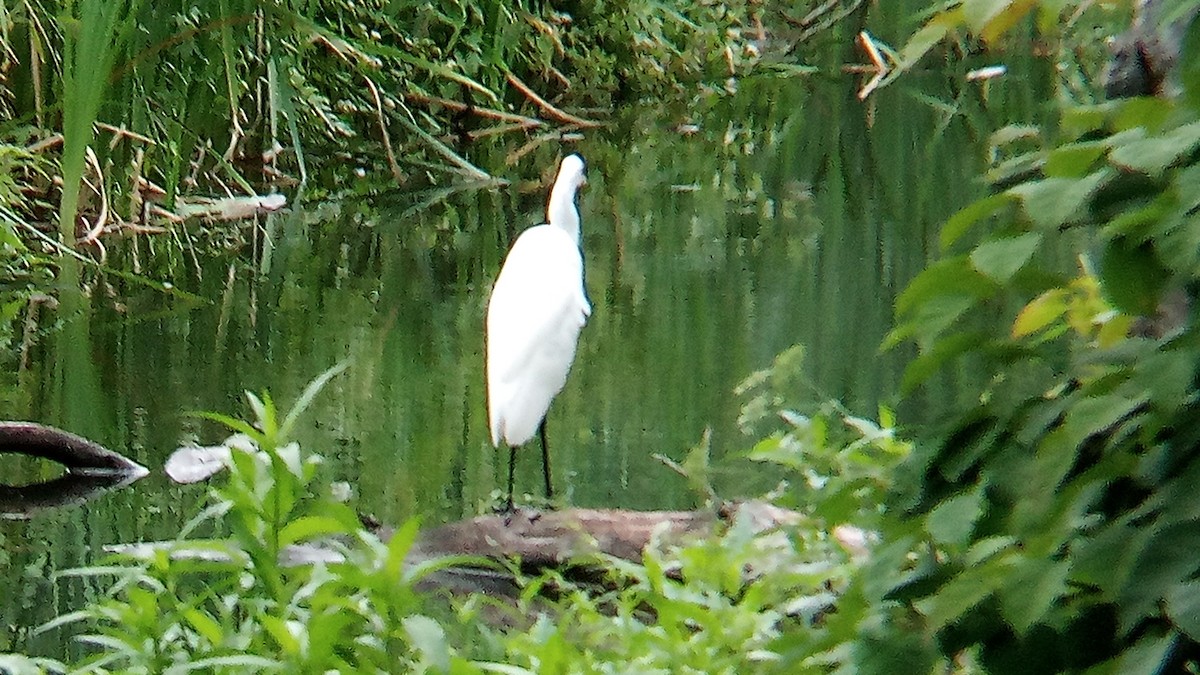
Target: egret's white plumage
<point x="537" y="308"/>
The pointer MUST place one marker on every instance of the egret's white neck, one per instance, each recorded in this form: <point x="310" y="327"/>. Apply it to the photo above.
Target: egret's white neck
<point x="561" y="211"/>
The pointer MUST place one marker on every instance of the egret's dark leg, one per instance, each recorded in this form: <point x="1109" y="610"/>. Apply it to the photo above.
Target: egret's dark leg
<point x="545" y="460"/>
<point x="512" y="465"/>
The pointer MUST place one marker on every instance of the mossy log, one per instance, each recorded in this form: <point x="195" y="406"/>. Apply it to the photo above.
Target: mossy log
<point x="545" y="539"/>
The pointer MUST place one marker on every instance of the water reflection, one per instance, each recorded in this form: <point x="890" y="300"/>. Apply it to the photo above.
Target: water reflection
<point x="782" y="218"/>
<point x="27" y="501"/>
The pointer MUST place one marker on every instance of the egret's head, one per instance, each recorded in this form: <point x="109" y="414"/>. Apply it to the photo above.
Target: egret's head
<point x="571" y="173"/>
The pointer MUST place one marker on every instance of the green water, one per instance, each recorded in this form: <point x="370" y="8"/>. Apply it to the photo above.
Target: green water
<point x="792" y="216"/>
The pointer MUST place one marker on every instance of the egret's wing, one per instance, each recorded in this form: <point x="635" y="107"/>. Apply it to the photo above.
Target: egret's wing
<point x="535" y="314"/>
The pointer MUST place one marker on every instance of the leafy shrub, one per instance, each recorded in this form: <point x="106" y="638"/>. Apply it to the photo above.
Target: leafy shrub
<point x="1050" y="523"/>
<point x="235" y="605"/>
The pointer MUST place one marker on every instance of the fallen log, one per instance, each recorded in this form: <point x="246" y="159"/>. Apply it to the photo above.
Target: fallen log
<point x="546" y="539"/>
<point x="77" y="454"/>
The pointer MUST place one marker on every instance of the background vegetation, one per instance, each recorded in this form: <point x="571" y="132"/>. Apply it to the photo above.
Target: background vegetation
<point x="1047" y="524"/>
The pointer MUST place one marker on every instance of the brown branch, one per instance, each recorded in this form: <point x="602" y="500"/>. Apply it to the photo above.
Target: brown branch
<point x="547" y="107"/>
<point x="490" y="113"/>
<point x="387" y="141"/>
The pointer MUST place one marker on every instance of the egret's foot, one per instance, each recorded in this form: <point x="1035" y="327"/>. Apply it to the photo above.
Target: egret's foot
<point x="507" y="509"/>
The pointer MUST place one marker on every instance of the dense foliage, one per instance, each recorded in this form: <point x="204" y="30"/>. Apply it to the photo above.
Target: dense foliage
<point x="223" y="596"/>
<point x="1048" y="523"/>
<point x="260" y="96"/>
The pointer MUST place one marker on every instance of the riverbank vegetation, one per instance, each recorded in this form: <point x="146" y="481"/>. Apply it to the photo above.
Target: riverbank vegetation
<point x="1046" y="523"/>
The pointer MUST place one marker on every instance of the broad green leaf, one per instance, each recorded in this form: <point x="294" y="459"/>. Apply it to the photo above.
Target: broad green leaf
<point x="1131" y="276"/>
<point x="931" y="319"/>
<point x="1183" y="606"/>
<point x="1035" y="585"/>
<point x="960" y="222"/>
<point x="985" y="549"/>
<point x="303" y="529"/>
<point x="399" y="545"/>
<point x="205" y="625"/>
<point x="944" y="350"/>
<point x="1104" y="559"/>
<point x="1004" y="20"/>
<point x="1012" y="133"/>
<point x="952" y="521"/>
<point x="1042" y="311"/>
<point x="1001" y="258"/>
<point x="1051" y="203"/>
<point x="1187" y="187"/>
<point x="1147" y="656"/>
<point x="929" y="35"/>
<point x="1074" y="160"/>
<point x="1153" y="155"/>
<point x="1142" y="114"/>
<point x="977" y="13"/>
<point x="950" y="277"/>
<point x="1168" y="558"/>
<point x="1077" y="121"/>
<point x="1189" y="69"/>
<point x="1016" y="170"/>
<point x="891" y="648"/>
<point x="1097" y="414"/>
<point x="965" y="591"/>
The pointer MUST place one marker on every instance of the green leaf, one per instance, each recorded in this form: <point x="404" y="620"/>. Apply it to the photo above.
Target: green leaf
<point x="950" y="277"/>
<point x="1155" y="154"/>
<point x="233" y="423"/>
<point x="1035" y="585"/>
<point x="986" y="549"/>
<point x="399" y="545"/>
<point x="278" y="629"/>
<point x="303" y="529"/>
<point x="1042" y="311"/>
<point x="930" y="320"/>
<point x="887" y="647"/>
<point x="965" y="591"/>
<point x="1004" y="20"/>
<point x="977" y="13"/>
<point x="1074" y="160"/>
<point x="977" y="210"/>
<point x="1096" y="414"/>
<point x="952" y="521"/>
<point x="1104" y="559"/>
<point x="1168" y="558"/>
<point x="205" y="625"/>
<point x="1147" y="656"/>
<point x="1188" y="66"/>
<point x="1051" y="203"/>
<point x="1001" y="258"/>
<point x="1141" y="114"/>
<point x="1183" y="606"/>
<point x="1131" y="276"/>
<point x="929" y="35"/>
<point x="306" y="398"/>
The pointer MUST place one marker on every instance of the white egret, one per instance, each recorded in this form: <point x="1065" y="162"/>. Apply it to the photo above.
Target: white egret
<point x="537" y="308"/>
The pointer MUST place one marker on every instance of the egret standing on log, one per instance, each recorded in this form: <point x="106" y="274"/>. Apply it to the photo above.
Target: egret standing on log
<point x="537" y="308"/>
